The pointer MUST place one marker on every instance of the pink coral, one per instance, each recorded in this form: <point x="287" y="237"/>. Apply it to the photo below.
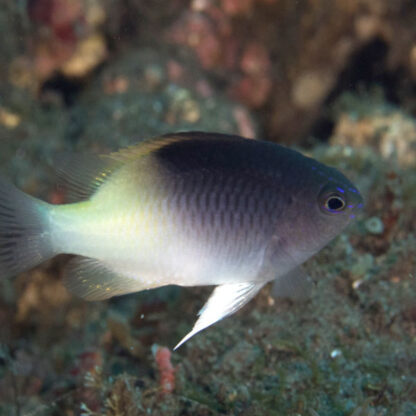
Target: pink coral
<point x="211" y="33"/>
<point x="254" y="87"/>
<point x="196" y="31"/>
<point x="252" y="91"/>
<point x="255" y="59"/>
<point x="237" y="7"/>
<point x="53" y="47"/>
<point x="166" y="370"/>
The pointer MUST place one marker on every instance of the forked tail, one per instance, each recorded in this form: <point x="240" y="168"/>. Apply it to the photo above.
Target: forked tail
<point x="25" y="238"/>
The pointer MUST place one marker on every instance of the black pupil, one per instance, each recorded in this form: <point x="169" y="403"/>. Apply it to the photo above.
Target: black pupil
<point x="335" y="203"/>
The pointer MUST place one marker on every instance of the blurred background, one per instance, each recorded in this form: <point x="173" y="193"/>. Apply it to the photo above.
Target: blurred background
<point x="335" y="79"/>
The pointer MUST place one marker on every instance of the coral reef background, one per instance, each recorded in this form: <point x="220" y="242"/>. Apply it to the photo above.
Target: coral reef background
<point x="335" y="79"/>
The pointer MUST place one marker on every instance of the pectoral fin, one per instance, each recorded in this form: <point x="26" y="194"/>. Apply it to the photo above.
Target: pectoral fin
<point x="224" y="301"/>
<point x="294" y="285"/>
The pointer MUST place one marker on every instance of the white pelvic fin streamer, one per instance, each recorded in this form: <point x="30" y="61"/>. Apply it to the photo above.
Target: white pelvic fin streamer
<point x="224" y="300"/>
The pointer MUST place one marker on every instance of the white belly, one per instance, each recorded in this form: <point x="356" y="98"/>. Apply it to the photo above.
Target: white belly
<point x="154" y="250"/>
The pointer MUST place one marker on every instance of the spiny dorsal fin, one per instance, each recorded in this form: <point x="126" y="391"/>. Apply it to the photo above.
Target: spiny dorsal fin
<point x="81" y="175"/>
<point x="147" y="147"/>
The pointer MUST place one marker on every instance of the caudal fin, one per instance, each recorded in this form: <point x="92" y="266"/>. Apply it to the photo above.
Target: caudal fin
<point x="24" y="231"/>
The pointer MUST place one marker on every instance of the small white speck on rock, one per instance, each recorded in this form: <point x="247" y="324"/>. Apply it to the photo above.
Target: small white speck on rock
<point x="356" y="284"/>
<point x="336" y="353"/>
<point x="374" y="225"/>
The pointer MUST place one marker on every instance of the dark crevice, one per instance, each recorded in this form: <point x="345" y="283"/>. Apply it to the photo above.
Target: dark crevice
<point x="367" y="68"/>
<point x="323" y="128"/>
<point x="66" y="88"/>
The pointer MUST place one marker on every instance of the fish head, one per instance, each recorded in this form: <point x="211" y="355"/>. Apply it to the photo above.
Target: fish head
<point x="321" y="203"/>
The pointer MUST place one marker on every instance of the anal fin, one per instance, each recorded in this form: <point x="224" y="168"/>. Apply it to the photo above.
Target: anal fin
<point x="92" y="280"/>
<point x="224" y="301"/>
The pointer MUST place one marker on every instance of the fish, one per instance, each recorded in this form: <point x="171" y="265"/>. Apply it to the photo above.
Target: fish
<point x="187" y="209"/>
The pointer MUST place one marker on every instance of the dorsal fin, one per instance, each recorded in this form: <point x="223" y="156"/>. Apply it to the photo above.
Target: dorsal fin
<point x="146" y="147"/>
<point x="81" y="175"/>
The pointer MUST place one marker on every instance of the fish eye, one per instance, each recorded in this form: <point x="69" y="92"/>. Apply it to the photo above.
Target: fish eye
<point x="334" y="203"/>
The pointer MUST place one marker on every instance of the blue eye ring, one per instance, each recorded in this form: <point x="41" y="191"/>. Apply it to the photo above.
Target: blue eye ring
<point x="334" y="203"/>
